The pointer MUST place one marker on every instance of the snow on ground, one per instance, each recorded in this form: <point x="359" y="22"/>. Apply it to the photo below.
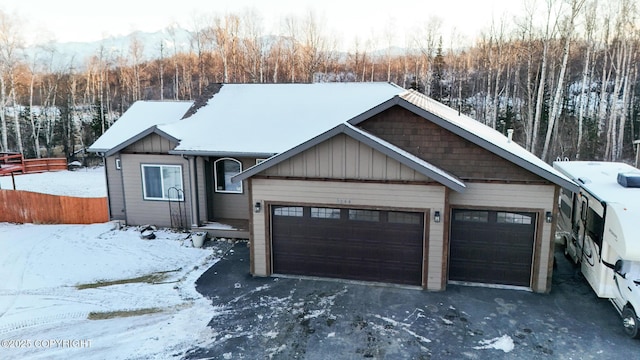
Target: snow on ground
<point x="83" y="182"/>
<point x="151" y="307"/>
<point x="40" y="303"/>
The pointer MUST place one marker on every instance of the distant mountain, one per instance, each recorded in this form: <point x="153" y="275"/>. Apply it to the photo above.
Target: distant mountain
<point x="66" y="54"/>
<point x="75" y="54"/>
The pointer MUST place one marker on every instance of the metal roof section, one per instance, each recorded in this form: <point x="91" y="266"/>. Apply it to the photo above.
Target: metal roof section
<point x="137" y="121"/>
<point x="388" y="149"/>
<point x="471" y="130"/>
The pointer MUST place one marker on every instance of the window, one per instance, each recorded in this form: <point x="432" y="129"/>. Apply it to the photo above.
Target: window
<point x="364" y="215"/>
<point x="288" y="211"/>
<point x="595" y="226"/>
<point x="325" y="213"/>
<point x="513" y="218"/>
<point x="162" y="182"/>
<point x="472" y="216"/>
<point x="225" y="169"/>
<point x="404" y="218"/>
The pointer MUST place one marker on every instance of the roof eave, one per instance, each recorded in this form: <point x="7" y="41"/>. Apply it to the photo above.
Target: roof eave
<point x="216" y="153"/>
<point x="139" y="136"/>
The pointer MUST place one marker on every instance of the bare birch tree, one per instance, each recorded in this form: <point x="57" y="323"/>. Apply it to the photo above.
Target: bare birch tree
<point x="556" y="107"/>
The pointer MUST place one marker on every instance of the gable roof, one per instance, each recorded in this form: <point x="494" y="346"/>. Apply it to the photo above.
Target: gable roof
<point x="471" y="130"/>
<point x="265" y="119"/>
<point x="139" y="121"/>
<point x="386" y="148"/>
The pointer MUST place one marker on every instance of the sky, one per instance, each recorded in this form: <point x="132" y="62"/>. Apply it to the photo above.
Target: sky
<point x="83" y="21"/>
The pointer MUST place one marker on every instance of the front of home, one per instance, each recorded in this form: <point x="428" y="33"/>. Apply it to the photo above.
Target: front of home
<point x="379" y="184"/>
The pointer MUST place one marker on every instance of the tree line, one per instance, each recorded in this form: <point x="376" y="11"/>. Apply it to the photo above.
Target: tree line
<point x="563" y="75"/>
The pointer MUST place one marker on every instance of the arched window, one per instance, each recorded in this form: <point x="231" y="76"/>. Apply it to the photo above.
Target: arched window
<point x="225" y="169"/>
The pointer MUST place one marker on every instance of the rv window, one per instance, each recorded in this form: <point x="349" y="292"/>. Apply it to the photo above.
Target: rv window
<point x="595" y="227"/>
<point x="565" y="209"/>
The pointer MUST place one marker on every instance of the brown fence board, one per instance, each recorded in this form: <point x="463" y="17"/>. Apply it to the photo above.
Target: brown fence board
<point x="44" y="164"/>
<point x="30" y="207"/>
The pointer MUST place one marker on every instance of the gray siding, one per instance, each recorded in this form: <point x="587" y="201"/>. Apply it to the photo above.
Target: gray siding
<point x="202" y="189"/>
<point x="115" y="191"/>
<point x="231" y="206"/>
<point x="342" y="157"/>
<point x="141" y="211"/>
<point x="152" y="144"/>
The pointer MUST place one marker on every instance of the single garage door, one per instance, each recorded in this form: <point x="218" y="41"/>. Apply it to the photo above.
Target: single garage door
<point x="357" y="244"/>
<point x="492" y="247"/>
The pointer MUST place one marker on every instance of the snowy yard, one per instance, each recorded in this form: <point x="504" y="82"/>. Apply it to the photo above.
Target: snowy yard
<point x="85" y="182"/>
<point x="96" y="292"/>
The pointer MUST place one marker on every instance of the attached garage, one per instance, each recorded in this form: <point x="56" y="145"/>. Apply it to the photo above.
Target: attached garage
<point x="357" y="244"/>
<point x="409" y="192"/>
<point x="492" y="247"/>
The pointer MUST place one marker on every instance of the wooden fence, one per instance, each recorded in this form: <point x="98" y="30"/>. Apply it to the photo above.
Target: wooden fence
<point x="30" y="207"/>
<point x="44" y="164"/>
<point x="11" y="163"/>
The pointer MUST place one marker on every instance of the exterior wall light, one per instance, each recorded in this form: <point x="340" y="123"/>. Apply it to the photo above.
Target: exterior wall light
<point x="257" y="207"/>
<point x="436" y="216"/>
<point x="549" y="217"/>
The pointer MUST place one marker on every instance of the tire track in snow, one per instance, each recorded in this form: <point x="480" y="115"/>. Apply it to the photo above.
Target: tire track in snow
<point x="43" y="320"/>
<point x="22" y="270"/>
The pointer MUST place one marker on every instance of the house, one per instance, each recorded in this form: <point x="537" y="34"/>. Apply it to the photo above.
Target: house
<point x="409" y="192"/>
<point x="170" y="163"/>
<point x="361" y="181"/>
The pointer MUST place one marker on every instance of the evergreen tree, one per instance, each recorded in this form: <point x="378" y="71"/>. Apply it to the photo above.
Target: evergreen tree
<point x="439" y="89"/>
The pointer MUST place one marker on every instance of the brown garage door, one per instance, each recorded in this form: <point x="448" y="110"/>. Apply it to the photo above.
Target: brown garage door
<point x="492" y="247"/>
<point x="370" y="245"/>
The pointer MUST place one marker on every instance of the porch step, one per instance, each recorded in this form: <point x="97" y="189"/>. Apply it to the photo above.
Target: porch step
<point x="226" y="228"/>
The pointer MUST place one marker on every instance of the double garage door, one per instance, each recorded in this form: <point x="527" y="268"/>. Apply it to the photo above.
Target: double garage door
<point x="492" y="247"/>
<point x="486" y="246"/>
<point x="357" y="244"/>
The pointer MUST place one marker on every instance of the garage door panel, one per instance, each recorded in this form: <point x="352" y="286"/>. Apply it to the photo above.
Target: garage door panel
<point x="348" y="247"/>
<point x="489" y="246"/>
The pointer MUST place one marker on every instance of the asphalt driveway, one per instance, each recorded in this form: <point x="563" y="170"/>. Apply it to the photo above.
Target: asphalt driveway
<point x="287" y="318"/>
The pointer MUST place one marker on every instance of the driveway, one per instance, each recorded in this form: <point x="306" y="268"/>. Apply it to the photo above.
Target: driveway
<point x="288" y="318"/>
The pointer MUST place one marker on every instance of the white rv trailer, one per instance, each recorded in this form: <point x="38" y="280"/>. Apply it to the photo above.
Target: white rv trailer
<point x="599" y="228"/>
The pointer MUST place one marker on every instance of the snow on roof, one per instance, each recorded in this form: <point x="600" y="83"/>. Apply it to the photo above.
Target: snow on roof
<point x="600" y="178"/>
<point x="139" y="117"/>
<point x="488" y="138"/>
<point x="265" y="119"/>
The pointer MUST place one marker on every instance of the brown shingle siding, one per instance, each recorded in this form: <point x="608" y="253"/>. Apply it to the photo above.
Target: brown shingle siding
<point x="443" y="148"/>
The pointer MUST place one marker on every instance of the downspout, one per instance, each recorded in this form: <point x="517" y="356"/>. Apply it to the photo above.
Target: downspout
<point x="106" y="176"/>
<point x="124" y="194"/>
<point x="195" y="202"/>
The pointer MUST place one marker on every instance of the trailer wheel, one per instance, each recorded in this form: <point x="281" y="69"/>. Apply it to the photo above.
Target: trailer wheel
<point x="630" y="322"/>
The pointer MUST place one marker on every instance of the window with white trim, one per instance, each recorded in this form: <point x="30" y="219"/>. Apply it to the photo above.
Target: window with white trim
<point x="162" y="182"/>
<point x="225" y="169"/>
